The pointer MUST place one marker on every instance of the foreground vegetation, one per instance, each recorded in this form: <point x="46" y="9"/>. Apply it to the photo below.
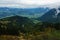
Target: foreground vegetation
<point x="21" y="28"/>
<point x="47" y="35"/>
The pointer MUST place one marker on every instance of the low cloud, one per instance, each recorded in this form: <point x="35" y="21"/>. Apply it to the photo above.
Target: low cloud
<point x="29" y="3"/>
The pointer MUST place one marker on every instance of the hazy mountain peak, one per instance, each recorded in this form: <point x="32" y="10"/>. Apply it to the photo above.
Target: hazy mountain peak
<point x="52" y="15"/>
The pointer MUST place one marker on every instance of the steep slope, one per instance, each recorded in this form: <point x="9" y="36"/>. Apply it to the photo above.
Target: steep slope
<point x="52" y="16"/>
<point x="58" y="17"/>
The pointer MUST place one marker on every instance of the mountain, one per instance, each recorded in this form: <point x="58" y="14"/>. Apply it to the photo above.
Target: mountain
<point x="19" y="19"/>
<point x="15" y="24"/>
<point x="51" y="16"/>
<point x="27" y="12"/>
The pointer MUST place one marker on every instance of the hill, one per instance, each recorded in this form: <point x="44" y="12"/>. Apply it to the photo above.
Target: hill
<point x="15" y="24"/>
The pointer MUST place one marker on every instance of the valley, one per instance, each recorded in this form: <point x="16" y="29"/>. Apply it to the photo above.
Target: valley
<point x="14" y="26"/>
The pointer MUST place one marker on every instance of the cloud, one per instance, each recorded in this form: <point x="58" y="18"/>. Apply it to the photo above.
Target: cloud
<point x="37" y="2"/>
<point x="27" y="3"/>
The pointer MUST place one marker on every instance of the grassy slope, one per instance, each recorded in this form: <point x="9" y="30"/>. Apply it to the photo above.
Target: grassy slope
<point x="47" y="35"/>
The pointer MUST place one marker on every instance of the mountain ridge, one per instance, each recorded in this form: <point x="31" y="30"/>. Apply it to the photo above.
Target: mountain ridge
<point x="31" y="12"/>
<point x="51" y="16"/>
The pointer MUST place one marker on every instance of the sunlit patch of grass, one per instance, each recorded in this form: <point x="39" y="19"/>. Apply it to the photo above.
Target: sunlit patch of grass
<point x="8" y="37"/>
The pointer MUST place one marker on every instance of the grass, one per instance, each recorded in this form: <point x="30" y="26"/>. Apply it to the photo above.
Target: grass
<point x="8" y="37"/>
<point x="46" y="35"/>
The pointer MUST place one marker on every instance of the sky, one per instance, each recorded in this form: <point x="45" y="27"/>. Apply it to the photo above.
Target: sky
<point x="28" y="3"/>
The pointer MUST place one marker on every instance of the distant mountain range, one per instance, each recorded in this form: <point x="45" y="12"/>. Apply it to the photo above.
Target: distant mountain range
<point x="29" y="12"/>
<point x="41" y="14"/>
<point x="52" y="16"/>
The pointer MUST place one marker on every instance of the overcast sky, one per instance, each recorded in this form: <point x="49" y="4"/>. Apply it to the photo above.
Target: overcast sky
<point x="27" y="3"/>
